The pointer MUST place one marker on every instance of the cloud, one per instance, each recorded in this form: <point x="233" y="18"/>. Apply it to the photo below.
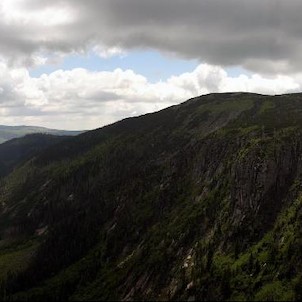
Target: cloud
<point x="83" y="99"/>
<point x="260" y="35"/>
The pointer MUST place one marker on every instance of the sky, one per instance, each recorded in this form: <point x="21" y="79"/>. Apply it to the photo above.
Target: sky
<point x="74" y="64"/>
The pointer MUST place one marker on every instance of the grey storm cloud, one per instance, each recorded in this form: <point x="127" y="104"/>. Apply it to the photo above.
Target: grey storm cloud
<point x="260" y="35"/>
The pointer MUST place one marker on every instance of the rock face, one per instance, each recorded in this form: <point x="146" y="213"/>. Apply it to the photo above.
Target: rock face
<point x="261" y="181"/>
<point x="201" y="201"/>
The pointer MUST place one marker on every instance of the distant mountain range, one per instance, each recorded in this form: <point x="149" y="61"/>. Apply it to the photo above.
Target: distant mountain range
<point x="10" y="132"/>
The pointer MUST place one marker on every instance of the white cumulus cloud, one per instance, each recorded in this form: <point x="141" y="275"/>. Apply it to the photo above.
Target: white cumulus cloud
<point x="82" y="99"/>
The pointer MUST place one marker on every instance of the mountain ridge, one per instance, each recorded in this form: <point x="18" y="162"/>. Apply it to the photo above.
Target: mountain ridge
<point x="11" y="132"/>
<point x="198" y="201"/>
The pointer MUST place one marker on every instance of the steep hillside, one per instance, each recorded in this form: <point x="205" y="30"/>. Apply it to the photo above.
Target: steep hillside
<point x="11" y="132"/>
<point x="19" y="150"/>
<point x="198" y="201"/>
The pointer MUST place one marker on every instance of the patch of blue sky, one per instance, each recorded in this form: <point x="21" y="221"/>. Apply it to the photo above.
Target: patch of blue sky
<point x="153" y="65"/>
<point x="236" y="71"/>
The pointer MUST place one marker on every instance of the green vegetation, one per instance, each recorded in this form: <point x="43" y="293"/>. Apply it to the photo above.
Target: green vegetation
<point x="17" y="151"/>
<point x="267" y="106"/>
<point x="201" y="200"/>
<point x="15" y="258"/>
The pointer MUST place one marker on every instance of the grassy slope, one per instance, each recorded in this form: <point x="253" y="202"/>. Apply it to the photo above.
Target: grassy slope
<point x="200" y="200"/>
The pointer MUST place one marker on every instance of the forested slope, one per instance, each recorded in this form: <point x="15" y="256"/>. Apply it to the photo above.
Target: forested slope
<point x="18" y="150"/>
<point x="198" y="201"/>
